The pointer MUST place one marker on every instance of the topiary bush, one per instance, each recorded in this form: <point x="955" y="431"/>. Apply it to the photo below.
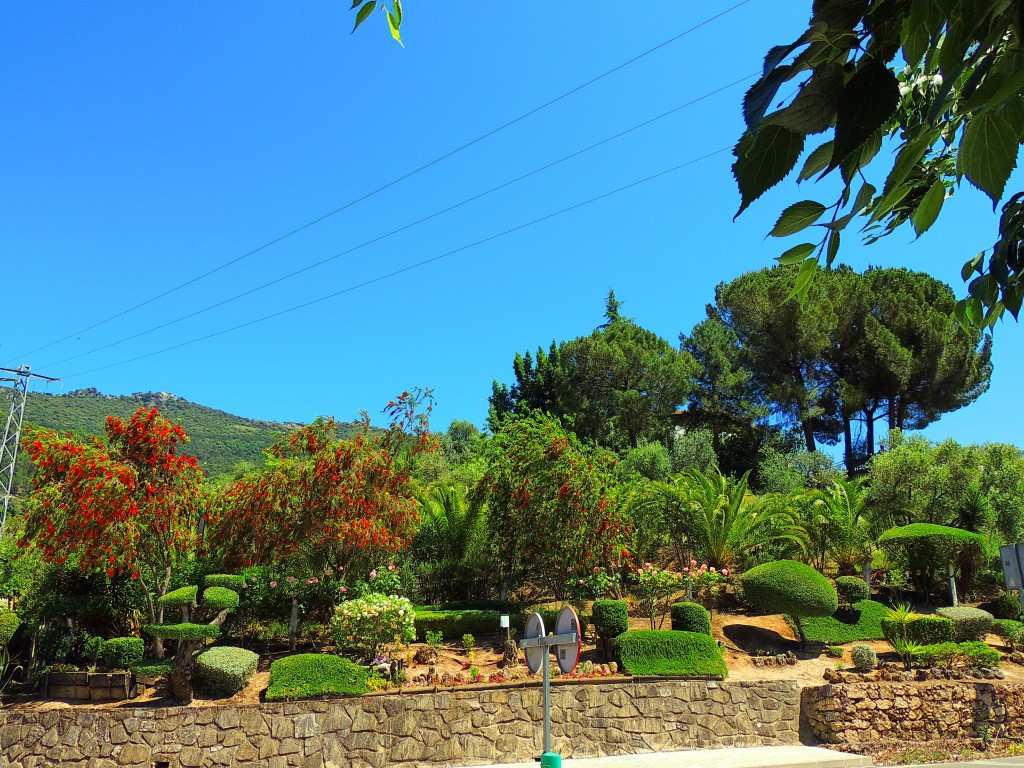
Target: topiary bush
<point x="228" y="580"/>
<point x="123" y="652"/>
<point x="153" y="667"/>
<point x="224" y="671"/>
<point x="789" y="587"/>
<point x="184" y="596"/>
<point x="368" y="624"/>
<point x="852" y="589"/>
<point x="310" y="675"/>
<point x="860" y="621"/>
<point x="9" y="623"/>
<point x="690" y="617"/>
<point x="979" y="654"/>
<point x="864" y="657"/>
<point x="671" y="653"/>
<point x="610" y="619"/>
<point x="971" y="623"/>
<point x="458" y="623"/>
<point x="217" y="599"/>
<point x="925" y="630"/>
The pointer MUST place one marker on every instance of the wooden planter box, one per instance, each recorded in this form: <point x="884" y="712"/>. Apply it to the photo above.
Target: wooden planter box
<point x="91" y="686"/>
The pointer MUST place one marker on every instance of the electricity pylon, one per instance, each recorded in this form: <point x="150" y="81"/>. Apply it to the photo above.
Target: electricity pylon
<point x="12" y="432"/>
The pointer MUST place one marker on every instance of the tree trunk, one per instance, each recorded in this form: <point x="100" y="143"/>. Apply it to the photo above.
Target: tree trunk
<point x="808" y="429"/>
<point x="952" y="583"/>
<point x="869" y="426"/>
<point x="866" y="570"/>
<point x="293" y="625"/>
<point x="184" y="666"/>
<point x="848" y="445"/>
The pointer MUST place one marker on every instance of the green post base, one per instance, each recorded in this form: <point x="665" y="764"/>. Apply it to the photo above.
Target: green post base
<point x="550" y="760"/>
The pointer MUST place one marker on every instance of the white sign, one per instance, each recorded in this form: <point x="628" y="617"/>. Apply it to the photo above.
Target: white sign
<point x="1011" y="568"/>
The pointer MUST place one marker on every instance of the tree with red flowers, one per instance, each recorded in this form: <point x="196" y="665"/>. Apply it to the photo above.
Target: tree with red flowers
<point x="322" y="502"/>
<point x="551" y="504"/>
<point x="129" y="505"/>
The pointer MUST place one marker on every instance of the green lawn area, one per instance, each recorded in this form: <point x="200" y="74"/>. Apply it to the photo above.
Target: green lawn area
<point x="862" y="621"/>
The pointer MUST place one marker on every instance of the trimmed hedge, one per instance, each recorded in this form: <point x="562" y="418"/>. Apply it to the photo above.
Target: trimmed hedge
<point x="229" y="580"/>
<point x="924" y="630"/>
<point x="789" y="587"/>
<point x="309" y="675"/>
<point x="9" y="623"/>
<point x="671" y="653"/>
<point x="852" y="589"/>
<point x="861" y="621"/>
<point x="610" y="619"/>
<point x="123" y="652"/>
<point x="153" y="667"/>
<point x="476" y="622"/>
<point x="186" y="631"/>
<point x="971" y="623"/>
<point x="224" y="671"/>
<point x="972" y="654"/>
<point x="179" y="597"/>
<point x="690" y="617"/>
<point x="219" y="599"/>
<point x="946" y="540"/>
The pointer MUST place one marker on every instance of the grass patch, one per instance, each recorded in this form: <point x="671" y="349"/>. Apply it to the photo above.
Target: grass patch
<point x="153" y="667"/>
<point x="671" y="653"/>
<point x="861" y="621"/>
<point x="311" y="675"/>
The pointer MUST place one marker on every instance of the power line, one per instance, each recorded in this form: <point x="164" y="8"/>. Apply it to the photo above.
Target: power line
<point x="405" y="269"/>
<point x="403" y="228"/>
<point x="389" y="184"/>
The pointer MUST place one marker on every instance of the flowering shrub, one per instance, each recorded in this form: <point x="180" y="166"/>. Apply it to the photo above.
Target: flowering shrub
<point x="704" y="583"/>
<point x="373" y="622"/>
<point x="653" y="589"/>
<point x="582" y="587"/>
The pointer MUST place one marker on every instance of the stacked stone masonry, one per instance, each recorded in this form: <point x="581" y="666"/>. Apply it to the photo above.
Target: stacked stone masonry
<point x="459" y="727"/>
<point x="858" y="712"/>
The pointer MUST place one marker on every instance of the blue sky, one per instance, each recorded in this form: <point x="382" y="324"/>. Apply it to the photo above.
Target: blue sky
<point x="145" y="145"/>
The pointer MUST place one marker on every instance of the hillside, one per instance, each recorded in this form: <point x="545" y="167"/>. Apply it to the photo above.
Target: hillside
<point x="220" y="440"/>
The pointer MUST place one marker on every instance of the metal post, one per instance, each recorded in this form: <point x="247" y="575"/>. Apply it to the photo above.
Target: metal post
<point x="547" y="702"/>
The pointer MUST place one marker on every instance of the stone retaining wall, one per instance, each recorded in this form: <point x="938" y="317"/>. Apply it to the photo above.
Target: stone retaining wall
<point x="855" y="712"/>
<point x="460" y="727"/>
<point x="90" y="686"/>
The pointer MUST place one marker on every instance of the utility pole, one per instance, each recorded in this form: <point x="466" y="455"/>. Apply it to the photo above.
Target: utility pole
<point x="12" y="432"/>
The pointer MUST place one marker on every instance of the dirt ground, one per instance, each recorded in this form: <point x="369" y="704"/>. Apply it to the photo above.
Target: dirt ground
<point x="744" y="638"/>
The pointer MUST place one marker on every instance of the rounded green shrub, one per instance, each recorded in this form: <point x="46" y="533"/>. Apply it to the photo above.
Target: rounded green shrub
<point x="179" y="597"/>
<point x="369" y="623"/>
<point x="9" y="623"/>
<point x="670" y="653"/>
<point x="852" y="589"/>
<point x="611" y="618"/>
<point x="691" y="617"/>
<point x="224" y="671"/>
<point x="123" y="652"/>
<point x="219" y="599"/>
<point x="185" y="631"/>
<point x="1010" y="630"/>
<point x="864" y="657"/>
<point x="971" y="623"/>
<point x="789" y="587"/>
<point x="312" y="675"/>
<point x="229" y="580"/>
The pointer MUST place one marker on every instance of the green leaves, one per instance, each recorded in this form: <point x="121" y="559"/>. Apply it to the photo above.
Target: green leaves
<point x="814" y="108"/>
<point x="763" y="159"/>
<point x="928" y="209"/>
<point x="988" y="153"/>
<point x="868" y="100"/>
<point x="796" y="254"/>
<point x="364" y="13"/>
<point x="395" y="22"/>
<point x="804" y="279"/>
<point x="797" y="217"/>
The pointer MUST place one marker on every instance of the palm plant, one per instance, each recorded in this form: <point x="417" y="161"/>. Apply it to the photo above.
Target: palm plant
<point x="850" y="527"/>
<point x="722" y="521"/>
<point x="449" y="539"/>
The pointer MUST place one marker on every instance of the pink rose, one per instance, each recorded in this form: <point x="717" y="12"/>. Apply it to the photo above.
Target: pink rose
<point x="712" y="569"/>
<point x="291" y="579"/>
<point x="343" y="588"/>
<point x="693" y="563"/>
<point x="597" y="569"/>
<point x="679" y="575"/>
<point x="569" y="569"/>
<point x="648" y="566"/>
<point x="273" y="583"/>
<point x="391" y="567"/>
<point x="582" y="581"/>
<point x="373" y="574"/>
<point x="725" y="571"/>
